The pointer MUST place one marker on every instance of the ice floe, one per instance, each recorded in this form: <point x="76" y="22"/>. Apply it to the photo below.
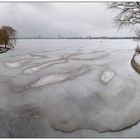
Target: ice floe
<point x="107" y="76"/>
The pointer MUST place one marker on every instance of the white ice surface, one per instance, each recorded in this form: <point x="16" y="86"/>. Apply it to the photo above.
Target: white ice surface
<point x="137" y="59"/>
<point x="83" y="87"/>
<point x="13" y="64"/>
<point x="45" y="80"/>
<point x="16" y="64"/>
<point x="107" y="76"/>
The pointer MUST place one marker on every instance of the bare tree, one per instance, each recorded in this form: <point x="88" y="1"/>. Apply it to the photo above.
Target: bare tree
<point x="7" y="36"/>
<point x="129" y="12"/>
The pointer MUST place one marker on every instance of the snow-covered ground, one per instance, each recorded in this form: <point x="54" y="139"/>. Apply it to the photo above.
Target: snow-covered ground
<point x="69" y="88"/>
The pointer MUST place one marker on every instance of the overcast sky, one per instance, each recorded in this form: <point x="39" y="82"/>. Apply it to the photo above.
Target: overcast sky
<point x="66" y="19"/>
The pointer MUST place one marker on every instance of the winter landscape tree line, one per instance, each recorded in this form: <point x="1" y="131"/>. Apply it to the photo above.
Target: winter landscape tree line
<point x="129" y="14"/>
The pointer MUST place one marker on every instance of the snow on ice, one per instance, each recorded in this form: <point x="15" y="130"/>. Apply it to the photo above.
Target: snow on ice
<point x="84" y="87"/>
<point x="107" y="76"/>
<point x="49" y="80"/>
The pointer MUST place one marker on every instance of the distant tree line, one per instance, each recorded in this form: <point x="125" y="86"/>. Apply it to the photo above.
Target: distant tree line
<point x="104" y="37"/>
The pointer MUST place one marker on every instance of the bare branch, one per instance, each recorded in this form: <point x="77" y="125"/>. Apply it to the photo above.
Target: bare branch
<point x="129" y="13"/>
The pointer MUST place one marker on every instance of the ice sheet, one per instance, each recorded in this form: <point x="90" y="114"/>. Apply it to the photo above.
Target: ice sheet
<point x="74" y="88"/>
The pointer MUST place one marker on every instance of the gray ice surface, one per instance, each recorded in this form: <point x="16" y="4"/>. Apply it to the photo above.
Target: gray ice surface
<point x="69" y="88"/>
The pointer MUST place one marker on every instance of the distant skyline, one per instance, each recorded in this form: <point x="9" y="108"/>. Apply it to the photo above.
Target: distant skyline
<point x="62" y="19"/>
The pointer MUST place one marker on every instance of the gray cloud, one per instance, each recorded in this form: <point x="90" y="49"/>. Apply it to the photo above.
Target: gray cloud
<point x="67" y="19"/>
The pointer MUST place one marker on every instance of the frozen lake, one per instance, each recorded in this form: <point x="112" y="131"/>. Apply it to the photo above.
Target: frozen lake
<point x="69" y="88"/>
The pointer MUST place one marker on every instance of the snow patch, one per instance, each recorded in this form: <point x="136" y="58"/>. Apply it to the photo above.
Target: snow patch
<point x="107" y="76"/>
<point x="31" y="70"/>
<point x="13" y="64"/>
<point x="49" y="80"/>
<point x="41" y="66"/>
<point x="36" y="57"/>
<point x="96" y="111"/>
